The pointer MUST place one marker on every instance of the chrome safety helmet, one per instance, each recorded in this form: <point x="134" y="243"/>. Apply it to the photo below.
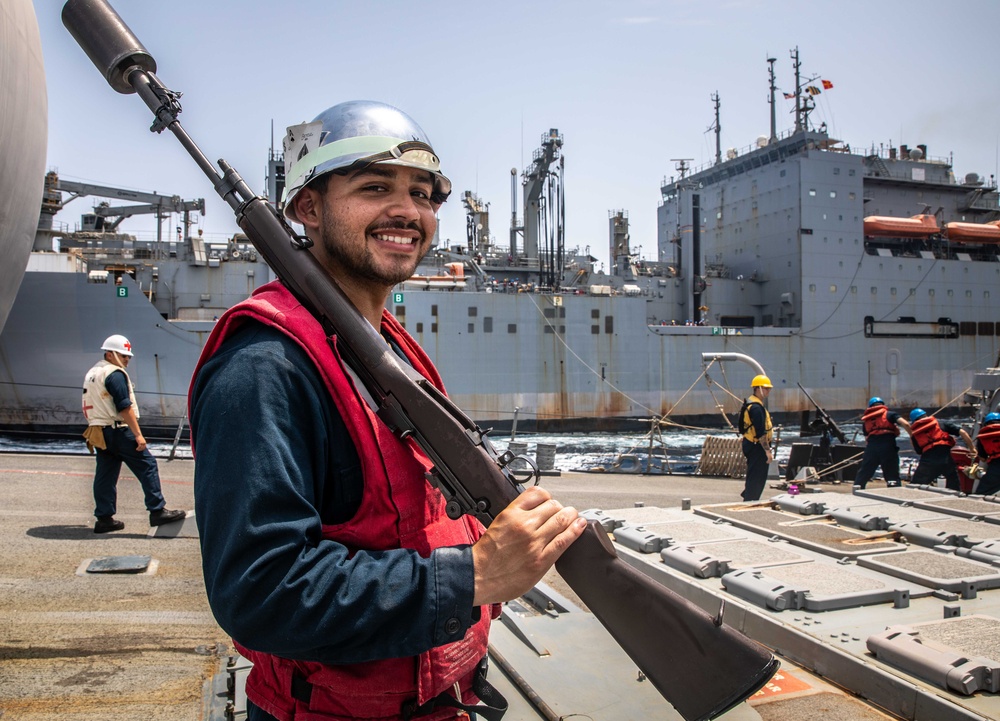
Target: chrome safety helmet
<point x="876" y="401"/>
<point x="991" y="418"/>
<point x="353" y="135"/>
<point x="917" y="413"/>
<point x="118" y="344"/>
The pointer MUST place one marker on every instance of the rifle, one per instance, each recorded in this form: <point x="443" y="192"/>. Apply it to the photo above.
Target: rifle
<point x="700" y="666"/>
<point x="830" y="423"/>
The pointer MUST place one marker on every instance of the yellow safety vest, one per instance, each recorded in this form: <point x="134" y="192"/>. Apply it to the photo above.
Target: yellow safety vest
<point x="751" y="434"/>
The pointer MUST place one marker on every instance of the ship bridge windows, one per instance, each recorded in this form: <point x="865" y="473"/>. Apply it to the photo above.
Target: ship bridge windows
<point x="487" y="324"/>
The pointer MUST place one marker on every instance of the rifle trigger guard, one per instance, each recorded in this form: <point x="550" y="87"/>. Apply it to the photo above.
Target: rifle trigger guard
<point x="519" y="474"/>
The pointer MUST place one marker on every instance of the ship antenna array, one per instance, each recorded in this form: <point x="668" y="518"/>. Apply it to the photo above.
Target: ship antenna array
<point x="682" y="165"/>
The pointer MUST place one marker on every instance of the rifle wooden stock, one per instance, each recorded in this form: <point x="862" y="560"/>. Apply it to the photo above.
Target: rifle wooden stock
<point x="699" y="665"/>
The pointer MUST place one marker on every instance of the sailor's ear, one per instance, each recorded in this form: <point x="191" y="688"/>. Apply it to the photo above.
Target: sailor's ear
<point x="308" y="204"/>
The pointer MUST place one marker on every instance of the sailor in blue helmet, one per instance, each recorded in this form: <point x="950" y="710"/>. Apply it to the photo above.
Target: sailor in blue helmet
<point x="933" y="440"/>
<point x="881" y="427"/>
<point x="988" y="451"/>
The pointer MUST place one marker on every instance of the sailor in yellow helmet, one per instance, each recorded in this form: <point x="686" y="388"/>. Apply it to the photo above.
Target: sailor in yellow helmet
<point x="755" y="425"/>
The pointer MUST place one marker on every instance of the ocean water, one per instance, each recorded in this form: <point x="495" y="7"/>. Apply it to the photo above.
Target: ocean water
<point x="573" y="451"/>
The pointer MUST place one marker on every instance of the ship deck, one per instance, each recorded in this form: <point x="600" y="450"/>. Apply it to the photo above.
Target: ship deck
<point x="117" y="646"/>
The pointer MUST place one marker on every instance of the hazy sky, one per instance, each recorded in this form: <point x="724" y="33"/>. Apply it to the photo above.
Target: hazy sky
<point x="627" y="82"/>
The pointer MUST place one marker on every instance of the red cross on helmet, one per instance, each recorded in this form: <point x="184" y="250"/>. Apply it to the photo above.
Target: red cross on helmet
<point x="118" y="344"/>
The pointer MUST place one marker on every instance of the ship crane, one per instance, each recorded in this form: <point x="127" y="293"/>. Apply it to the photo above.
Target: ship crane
<point x="148" y="204"/>
<point x="543" y="229"/>
<point x="477" y="224"/>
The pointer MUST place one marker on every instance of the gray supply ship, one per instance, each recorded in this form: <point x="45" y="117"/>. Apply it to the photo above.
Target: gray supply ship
<point x="851" y="272"/>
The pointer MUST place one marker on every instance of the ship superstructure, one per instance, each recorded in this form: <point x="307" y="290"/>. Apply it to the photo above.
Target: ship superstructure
<point x="852" y="271"/>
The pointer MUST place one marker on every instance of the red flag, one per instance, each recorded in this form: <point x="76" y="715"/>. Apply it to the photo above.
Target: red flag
<point x="826" y="84"/>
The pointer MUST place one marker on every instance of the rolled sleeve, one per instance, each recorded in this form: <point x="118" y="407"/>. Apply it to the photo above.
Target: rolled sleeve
<point x="117" y="386"/>
<point x="455" y="583"/>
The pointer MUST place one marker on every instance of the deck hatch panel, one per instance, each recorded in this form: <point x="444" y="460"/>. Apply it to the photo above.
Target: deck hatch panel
<point x="812" y="587"/>
<point x="817" y="533"/>
<point x="958" y="654"/>
<point x="936" y="570"/>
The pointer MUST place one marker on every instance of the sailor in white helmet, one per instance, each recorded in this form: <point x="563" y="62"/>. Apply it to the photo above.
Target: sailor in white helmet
<point x="327" y="555"/>
<point x="113" y="432"/>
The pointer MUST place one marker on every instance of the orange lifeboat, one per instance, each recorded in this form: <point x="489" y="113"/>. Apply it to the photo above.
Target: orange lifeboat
<point x="453" y="277"/>
<point x="919" y="226"/>
<point x="973" y="232"/>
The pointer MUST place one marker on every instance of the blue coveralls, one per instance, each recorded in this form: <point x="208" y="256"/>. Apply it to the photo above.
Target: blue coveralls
<point x="937" y="461"/>
<point x="880" y="450"/>
<point x="756" y="456"/>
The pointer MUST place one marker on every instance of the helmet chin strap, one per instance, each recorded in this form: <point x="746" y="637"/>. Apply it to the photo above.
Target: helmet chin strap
<point x="118" y="359"/>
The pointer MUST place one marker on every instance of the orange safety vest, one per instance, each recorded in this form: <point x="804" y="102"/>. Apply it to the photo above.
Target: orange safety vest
<point x="989" y="437"/>
<point x="876" y="422"/>
<point x="927" y="433"/>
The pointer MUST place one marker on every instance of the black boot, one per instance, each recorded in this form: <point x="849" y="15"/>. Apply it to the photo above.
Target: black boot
<point x="158" y="518"/>
<point x="107" y="524"/>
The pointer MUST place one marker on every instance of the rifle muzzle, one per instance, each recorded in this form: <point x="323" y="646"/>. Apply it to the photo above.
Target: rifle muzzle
<point x="107" y="40"/>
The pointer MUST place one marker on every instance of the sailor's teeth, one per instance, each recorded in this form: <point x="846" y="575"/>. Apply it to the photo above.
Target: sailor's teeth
<point x="395" y="239"/>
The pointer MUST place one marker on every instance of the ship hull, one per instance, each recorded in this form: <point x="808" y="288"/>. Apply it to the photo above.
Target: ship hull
<point x="590" y="362"/>
<point x="53" y="336"/>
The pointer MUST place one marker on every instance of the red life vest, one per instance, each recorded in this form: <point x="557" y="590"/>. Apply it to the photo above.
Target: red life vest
<point x="927" y="433"/>
<point x="989" y="437"/>
<point x="876" y="422"/>
<point x="399" y="509"/>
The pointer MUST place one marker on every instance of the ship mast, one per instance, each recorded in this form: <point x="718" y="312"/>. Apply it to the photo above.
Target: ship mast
<point x="803" y="106"/>
<point x="718" y="128"/>
<point x="798" y="90"/>
<point x="774" y="88"/>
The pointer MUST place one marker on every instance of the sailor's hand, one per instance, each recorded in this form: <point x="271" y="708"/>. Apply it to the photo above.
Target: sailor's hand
<point x="521" y="544"/>
<point x="140" y="442"/>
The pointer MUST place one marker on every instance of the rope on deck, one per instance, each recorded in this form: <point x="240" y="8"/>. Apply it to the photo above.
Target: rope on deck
<point x="722" y="456"/>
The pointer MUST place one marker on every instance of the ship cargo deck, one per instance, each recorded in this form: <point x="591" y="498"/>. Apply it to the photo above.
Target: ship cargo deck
<point x="82" y="645"/>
